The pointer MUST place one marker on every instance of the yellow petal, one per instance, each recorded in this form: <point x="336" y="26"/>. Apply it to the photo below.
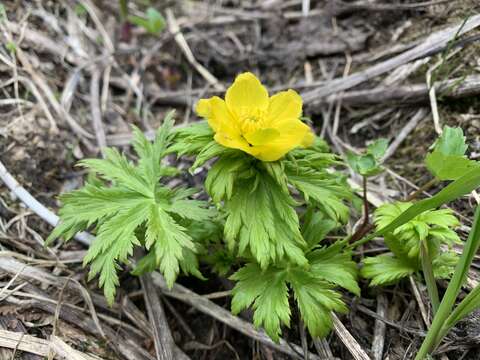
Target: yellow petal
<point x="308" y="139"/>
<point x="262" y="136"/>
<point x="271" y="152"/>
<point x="203" y="108"/>
<point x="293" y="133"/>
<point x="246" y="93"/>
<point x="218" y="117"/>
<point x="284" y="105"/>
<point x="236" y="142"/>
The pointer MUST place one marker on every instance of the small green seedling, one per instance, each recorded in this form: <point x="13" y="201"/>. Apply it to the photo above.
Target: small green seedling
<point x="433" y="229"/>
<point x="369" y="163"/>
<point x="448" y="161"/>
<point x="152" y="21"/>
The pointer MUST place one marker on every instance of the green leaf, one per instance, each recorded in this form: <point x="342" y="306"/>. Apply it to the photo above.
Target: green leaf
<point x="192" y="139"/>
<point x="169" y="240"/>
<point x="189" y="264"/>
<point x="150" y="154"/>
<point x="385" y="269"/>
<point x="447" y="161"/>
<point x="451" y="142"/>
<point x="444" y="265"/>
<point x="322" y="190"/>
<point x="432" y="227"/>
<point x="114" y="243"/>
<point x="268" y="292"/>
<point x="277" y="171"/>
<point x="261" y="218"/>
<point x="442" y="217"/>
<point x="116" y="168"/>
<point x="316" y="299"/>
<point x="131" y="208"/>
<point x="316" y="227"/>
<point x="368" y="164"/>
<point x="90" y="204"/>
<point x="190" y="209"/>
<point x="221" y="261"/>
<point x="211" y="150"/>
<point x="153" y="21"/>
<point x="407" y="249"/>
<point x="365" y="165"/>
<point x="223" y="175"/>
<point x="448" y="167"/>
<point x="464" y="185"/>
<point x="335" y="265"/>
<point x="146" y="264"/>
<point x="378" y="148"/>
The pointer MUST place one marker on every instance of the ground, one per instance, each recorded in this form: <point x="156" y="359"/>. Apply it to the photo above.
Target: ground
<point x="76" y="75"/>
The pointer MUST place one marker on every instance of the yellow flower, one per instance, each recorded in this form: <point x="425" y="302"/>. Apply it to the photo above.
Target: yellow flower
<point x="248" y="119"/>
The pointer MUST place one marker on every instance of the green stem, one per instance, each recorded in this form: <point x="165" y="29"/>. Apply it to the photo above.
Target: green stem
<point x="429" y="276"/>
<point x="437" y="330"/>
<point x="466" y="306"/>
<point x="123" y="9"/>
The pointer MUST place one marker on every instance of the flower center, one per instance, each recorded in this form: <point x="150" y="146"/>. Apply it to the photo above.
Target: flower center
<point x="252" y="120"/>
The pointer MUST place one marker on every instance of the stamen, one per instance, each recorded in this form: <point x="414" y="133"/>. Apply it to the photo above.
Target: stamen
<point x="252" y="120"/>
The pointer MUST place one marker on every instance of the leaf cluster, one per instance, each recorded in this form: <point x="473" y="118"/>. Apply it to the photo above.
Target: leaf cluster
<point x="279" y="243"/>
<point x="313" y="287"/>
<point x="260" y="198"/>
<point x="128" y="206"/>
<point x="432" y="227"/>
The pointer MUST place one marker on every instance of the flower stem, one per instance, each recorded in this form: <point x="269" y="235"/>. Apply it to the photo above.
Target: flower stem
<point x="365" y="227"/>
<point x="123" y="9"/>
<point x="429" y="276"/>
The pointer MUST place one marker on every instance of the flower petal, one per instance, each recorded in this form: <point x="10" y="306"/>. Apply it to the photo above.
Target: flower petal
<point x="246" y="93"/>
<point x="293" y="133"/>
<point x="308" y="139"/>
<point x="216" y="112"/>
<point x="271" y="152"/>
<point x="236" y="142"/>
<point x="262" y="136"/>
<point x="203" y="108"/>
<point x="284" y="105"/>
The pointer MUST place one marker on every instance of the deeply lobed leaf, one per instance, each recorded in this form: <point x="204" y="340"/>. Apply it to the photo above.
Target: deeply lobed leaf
<point x="131" y="209"/>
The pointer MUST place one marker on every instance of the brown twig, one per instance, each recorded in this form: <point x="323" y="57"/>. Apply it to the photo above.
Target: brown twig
<point x="406" y="130"/>
<point x="96" y="110"/>
<point x="378" y="342"/>
<point x="348" y="340"/>
<point x="34" y="345"/>
<point x="161" y="331"/>
<point x="435" y="42"/>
